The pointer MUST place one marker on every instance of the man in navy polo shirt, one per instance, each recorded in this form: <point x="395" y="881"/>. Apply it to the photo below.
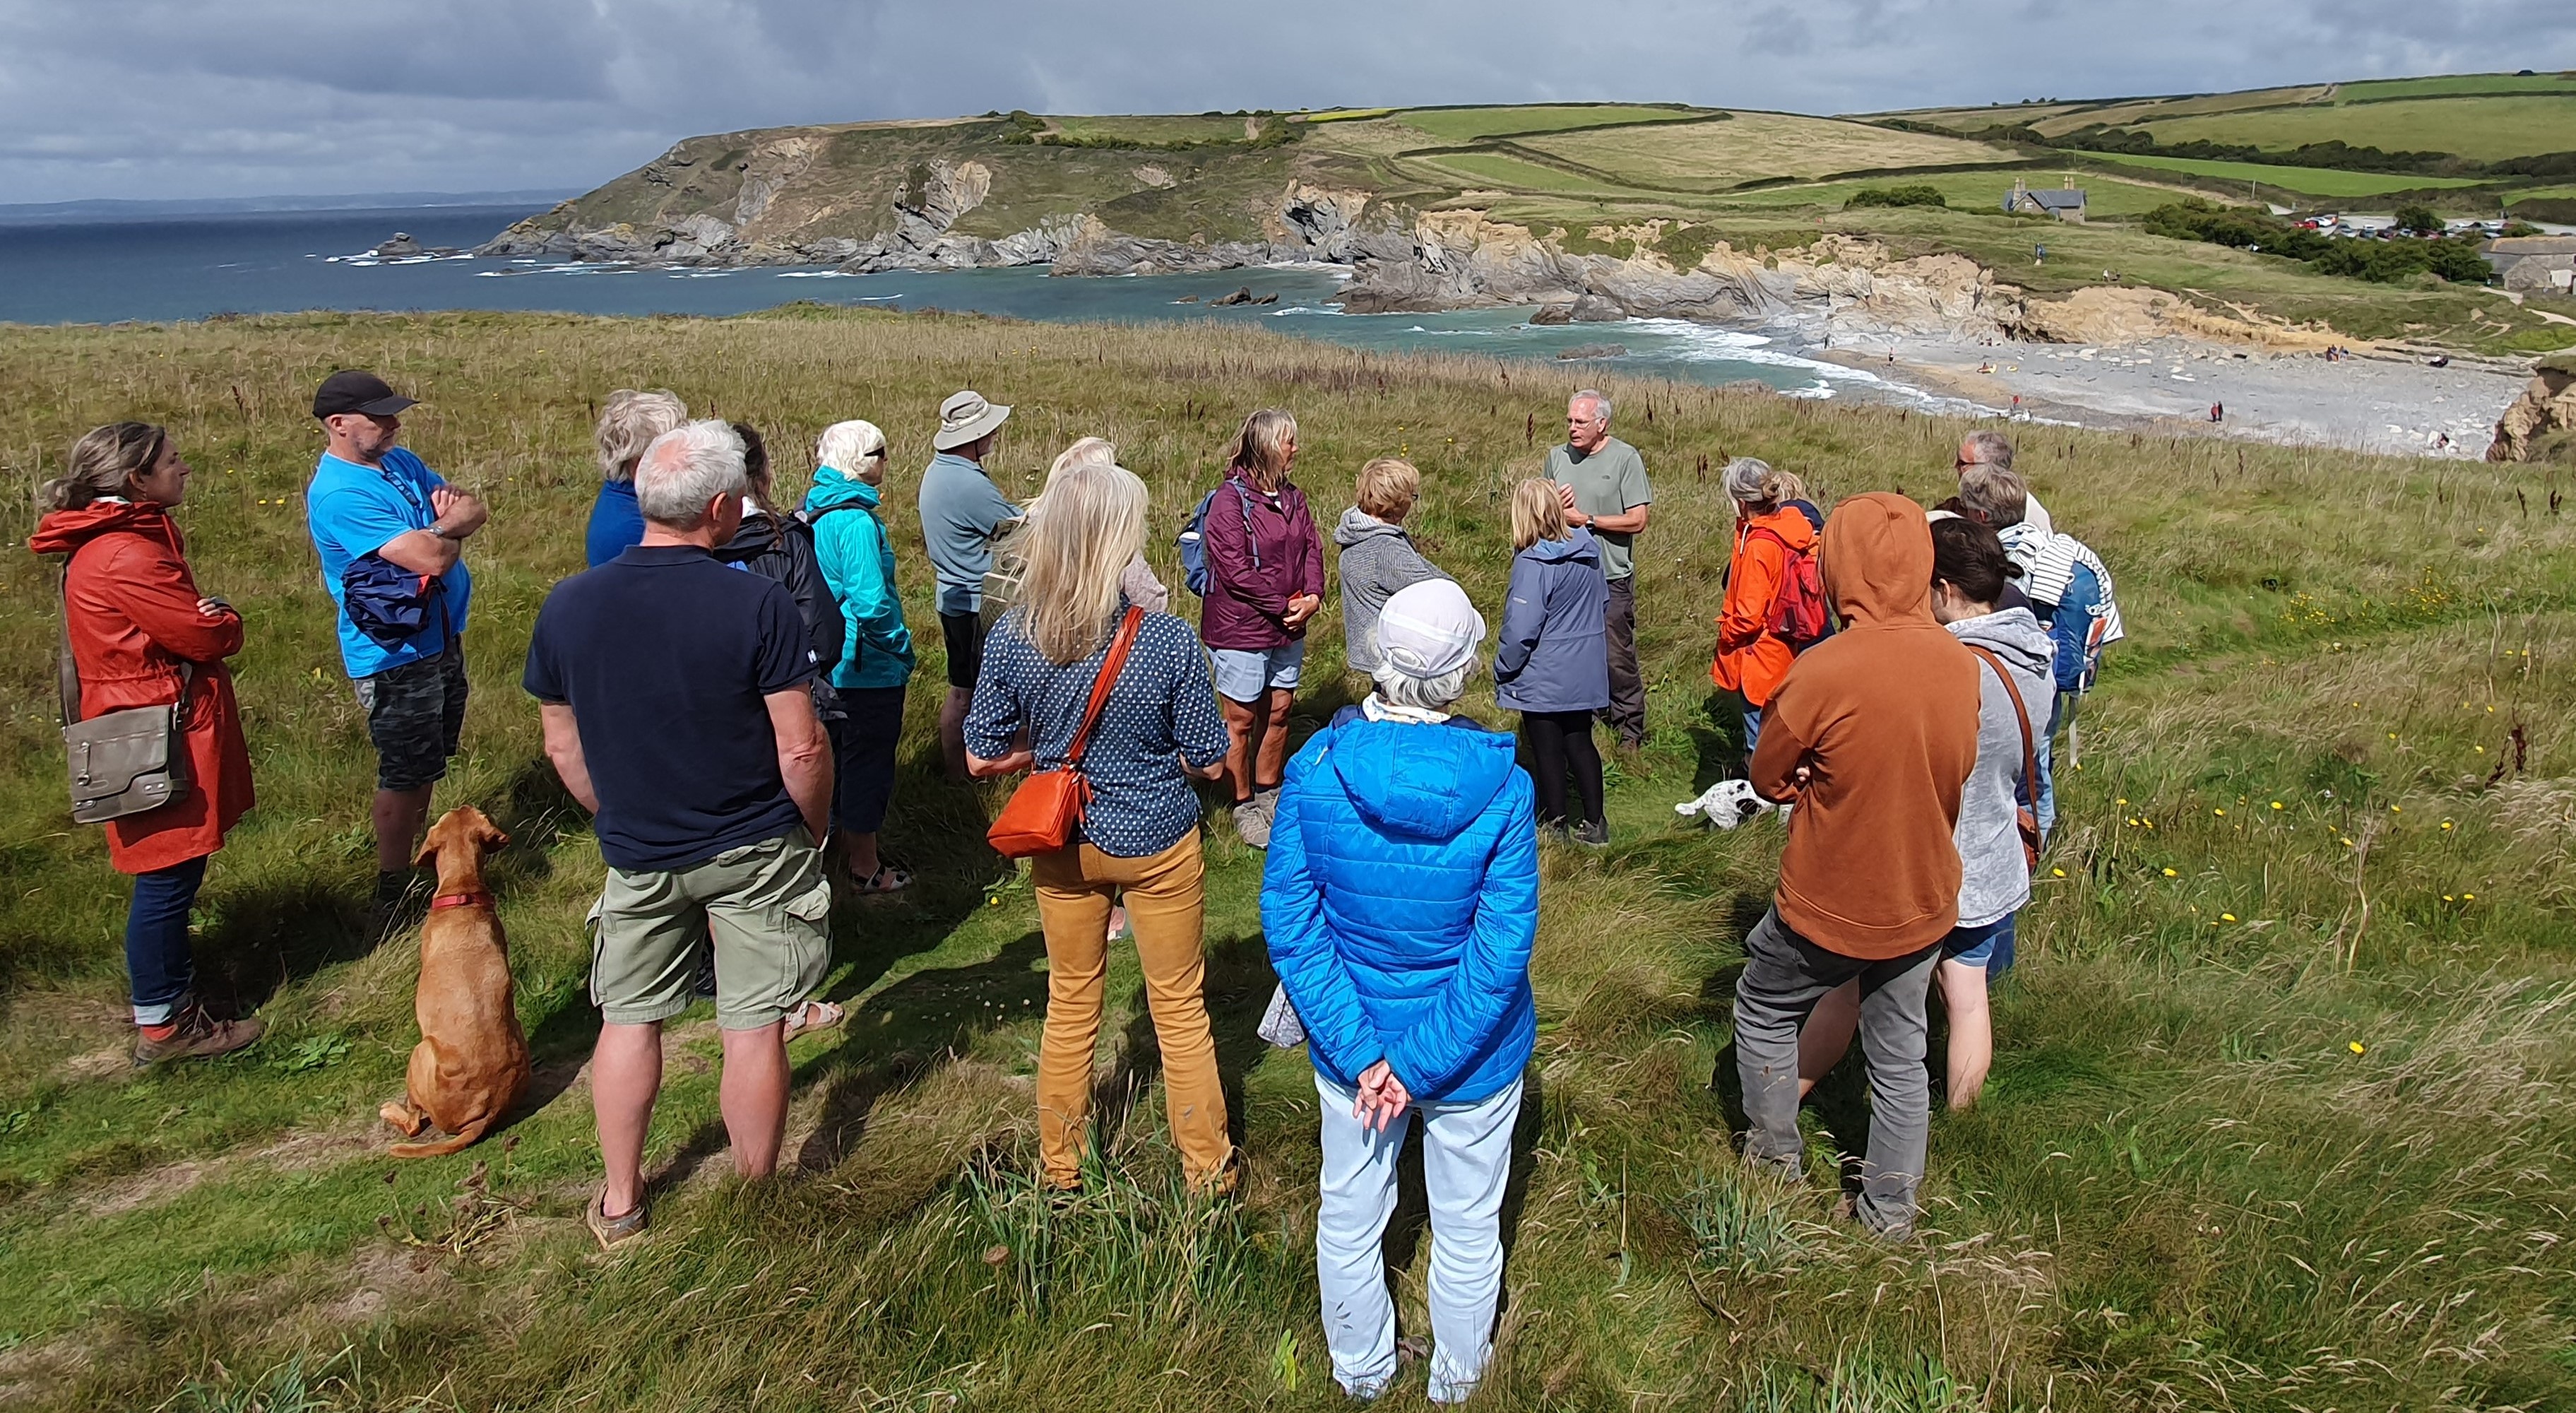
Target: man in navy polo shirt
<point x="674" y="693"/>
<point x="372" y="499"/>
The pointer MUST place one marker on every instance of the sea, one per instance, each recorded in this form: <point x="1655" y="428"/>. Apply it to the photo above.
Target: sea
<point x="157" y="268"/>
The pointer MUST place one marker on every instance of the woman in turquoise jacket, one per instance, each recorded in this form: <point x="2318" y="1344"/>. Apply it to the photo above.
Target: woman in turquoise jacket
<point x="876" y="651"/>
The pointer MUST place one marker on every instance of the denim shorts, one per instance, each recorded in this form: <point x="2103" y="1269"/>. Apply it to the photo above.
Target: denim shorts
<point x="1242" y="673"/>
<point x="1990" y="946"/>
<point x="415" y="714"/>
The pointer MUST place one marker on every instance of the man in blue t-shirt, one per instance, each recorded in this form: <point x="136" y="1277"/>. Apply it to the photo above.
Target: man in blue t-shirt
<point x="673" y="689"/>
<point x="375" y="506"/>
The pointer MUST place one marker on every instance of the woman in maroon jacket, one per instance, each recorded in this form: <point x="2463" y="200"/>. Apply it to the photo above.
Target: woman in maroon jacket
<point x="1266" y="566"/>
<point x="134" y="616"/>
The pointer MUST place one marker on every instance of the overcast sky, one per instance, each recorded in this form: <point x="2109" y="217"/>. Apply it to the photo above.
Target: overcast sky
<point x="200" y="98"/>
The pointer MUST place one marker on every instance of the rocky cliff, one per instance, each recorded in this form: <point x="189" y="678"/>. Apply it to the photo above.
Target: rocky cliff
<point x="2541" y="424"/>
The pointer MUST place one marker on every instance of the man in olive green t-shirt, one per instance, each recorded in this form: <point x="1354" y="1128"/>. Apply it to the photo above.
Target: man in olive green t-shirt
<point x="1603" y="483"/>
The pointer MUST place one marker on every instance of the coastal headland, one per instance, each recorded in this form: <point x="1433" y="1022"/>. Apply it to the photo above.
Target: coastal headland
<point x="1885" y="232"/>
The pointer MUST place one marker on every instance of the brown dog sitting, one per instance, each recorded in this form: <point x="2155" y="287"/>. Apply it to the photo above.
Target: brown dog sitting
<point x="472" y="1061"/>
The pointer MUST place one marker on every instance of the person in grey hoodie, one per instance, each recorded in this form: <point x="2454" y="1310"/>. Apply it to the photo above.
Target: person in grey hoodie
<point x="1377" y="557"/>
<point x="1969" y="572"/>
<point x="1552" y="664"/>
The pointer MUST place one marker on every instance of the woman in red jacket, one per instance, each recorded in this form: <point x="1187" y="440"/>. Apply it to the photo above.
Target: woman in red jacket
<point x="134" y="616"/>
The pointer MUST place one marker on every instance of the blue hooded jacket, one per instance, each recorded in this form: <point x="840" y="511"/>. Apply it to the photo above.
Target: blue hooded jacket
<point x="616" y="523"/>
<point x="1551" y="655"/>
<point x="1400" y="898"/>
<point x="858" y="562"/>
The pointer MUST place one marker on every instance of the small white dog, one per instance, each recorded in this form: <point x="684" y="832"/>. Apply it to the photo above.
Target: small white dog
<point x="1729" y="803"/>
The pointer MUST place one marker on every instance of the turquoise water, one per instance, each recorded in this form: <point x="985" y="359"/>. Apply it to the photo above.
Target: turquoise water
<point x="193" y="267"/>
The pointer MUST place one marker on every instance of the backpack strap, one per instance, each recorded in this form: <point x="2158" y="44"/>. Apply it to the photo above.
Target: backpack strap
<point x="1110" y="666"/>
<point x="1251" y="541"/>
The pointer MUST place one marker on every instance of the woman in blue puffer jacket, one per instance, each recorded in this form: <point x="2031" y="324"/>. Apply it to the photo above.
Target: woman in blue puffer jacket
<point x="876" y="655"/>
<point x="1551" y="664"/>
<point x="1401" y="900"/>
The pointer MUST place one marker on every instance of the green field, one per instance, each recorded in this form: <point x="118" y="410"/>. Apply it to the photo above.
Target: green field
<point x="2105" y="197"/>
<point x="1497" y="169"/>
<point x="2481" y="129"/>
<point x="1152" y="129"/>
<point x="1752" y="146"/>
<point x="1471" y="124"/>
<point x="2310" y="181"/>
<point x="2454" y="85"/>
<point x="2286" y="1077"/>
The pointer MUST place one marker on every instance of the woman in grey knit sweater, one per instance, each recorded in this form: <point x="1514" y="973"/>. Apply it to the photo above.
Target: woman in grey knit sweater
<point x="1378" y="558"/>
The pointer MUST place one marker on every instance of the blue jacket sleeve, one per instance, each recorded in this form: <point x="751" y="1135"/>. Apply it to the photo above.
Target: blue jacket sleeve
<point x="1493" y="971"/>
<point x="1302" y="950"/>
<point x="1524" y="614"/>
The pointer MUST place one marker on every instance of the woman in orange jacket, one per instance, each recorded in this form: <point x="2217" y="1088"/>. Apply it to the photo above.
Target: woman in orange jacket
<point x="1774" y="524"/>
<point x="134" y="618"/>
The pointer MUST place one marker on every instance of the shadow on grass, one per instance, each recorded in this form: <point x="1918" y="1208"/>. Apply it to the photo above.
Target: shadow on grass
<point x="1717" y="741"/>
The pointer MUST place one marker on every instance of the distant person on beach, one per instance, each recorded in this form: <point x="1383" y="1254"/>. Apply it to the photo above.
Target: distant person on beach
<point x="139" y="634"/>
<point x="866" y="685"/>
<point x="1969" y="571"/>
<point x="1872" y="736"/>
<point x="1157" y="730"/>
<point x="1265" y="582"/>
<point x="2070" y="590"/>
<point x="627" y="425"/>
<point x="1773" y="535"/>
<point x="1602" y="483"/>
<point x="391" y="534"/>
<point x="962" y="512"/>
<point x="2217" y="412"/>
<point x="1378" y="557"/>
<point x="1551" y="659"/>
<point x="677" y="703"/>
<point x="1400" y="901"/>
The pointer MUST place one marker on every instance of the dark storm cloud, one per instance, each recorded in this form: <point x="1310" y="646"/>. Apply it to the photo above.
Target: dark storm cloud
<point x="223" y="97"/>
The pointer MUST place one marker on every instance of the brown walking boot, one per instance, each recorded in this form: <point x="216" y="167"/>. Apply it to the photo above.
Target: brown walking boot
<point x="194" y="1035"/>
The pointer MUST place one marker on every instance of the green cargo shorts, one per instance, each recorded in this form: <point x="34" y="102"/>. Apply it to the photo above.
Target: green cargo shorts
<point x="766" y="906"/>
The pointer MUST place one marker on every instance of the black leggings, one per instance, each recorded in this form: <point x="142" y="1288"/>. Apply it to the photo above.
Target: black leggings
<point x="1559" y="741"/>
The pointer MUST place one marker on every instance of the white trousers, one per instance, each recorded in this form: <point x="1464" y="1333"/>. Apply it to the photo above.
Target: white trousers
<point x="1466" y="1159"/>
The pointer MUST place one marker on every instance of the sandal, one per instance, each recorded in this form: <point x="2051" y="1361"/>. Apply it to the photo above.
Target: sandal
<point x="887" y="879"/>
<point x="611" y="1230"/>
<point x="811" y="1016"/>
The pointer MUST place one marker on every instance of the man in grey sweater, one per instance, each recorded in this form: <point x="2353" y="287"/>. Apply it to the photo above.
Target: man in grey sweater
<point x="1377" y="556"/>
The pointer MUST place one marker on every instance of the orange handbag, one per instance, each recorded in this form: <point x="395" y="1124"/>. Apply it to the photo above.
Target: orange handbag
<point x="1042" y="813"/>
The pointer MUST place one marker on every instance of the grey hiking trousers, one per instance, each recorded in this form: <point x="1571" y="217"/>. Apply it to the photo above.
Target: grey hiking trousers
<point x="1784" y="976"/>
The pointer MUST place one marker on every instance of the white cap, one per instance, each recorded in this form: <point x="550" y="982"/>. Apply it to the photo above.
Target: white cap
<point x="1429" y="629"/>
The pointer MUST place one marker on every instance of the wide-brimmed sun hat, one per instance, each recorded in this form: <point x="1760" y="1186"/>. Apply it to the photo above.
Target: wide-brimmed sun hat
<point x="967" y="417"/>
<point x="1429" y="629"/>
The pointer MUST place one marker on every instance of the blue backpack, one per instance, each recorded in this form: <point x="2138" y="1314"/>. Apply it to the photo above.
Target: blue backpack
<point x="1193" y="539"/>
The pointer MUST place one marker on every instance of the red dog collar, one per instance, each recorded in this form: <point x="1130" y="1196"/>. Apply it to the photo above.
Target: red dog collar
<point x="460" y="900"/>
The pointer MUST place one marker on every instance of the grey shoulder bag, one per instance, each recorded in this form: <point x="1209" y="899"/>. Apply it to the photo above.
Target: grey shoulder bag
<point x="122" y="762"/>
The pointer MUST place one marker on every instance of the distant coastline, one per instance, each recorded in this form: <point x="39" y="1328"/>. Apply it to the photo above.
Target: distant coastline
<point x="77" y="212"/>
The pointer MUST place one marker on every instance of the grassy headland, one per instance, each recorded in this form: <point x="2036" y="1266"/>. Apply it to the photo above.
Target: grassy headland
<point x="2279" y="1119"/>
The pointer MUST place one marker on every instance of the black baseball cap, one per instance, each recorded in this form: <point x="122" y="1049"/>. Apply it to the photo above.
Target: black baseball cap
<point x="353" y="391"/>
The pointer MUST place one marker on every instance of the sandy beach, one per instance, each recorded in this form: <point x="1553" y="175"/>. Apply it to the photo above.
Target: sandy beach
<point x="2378" y="402"/>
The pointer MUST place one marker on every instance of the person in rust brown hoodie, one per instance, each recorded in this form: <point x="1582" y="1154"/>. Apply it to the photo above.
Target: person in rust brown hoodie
<point x="1872" y="735"/>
